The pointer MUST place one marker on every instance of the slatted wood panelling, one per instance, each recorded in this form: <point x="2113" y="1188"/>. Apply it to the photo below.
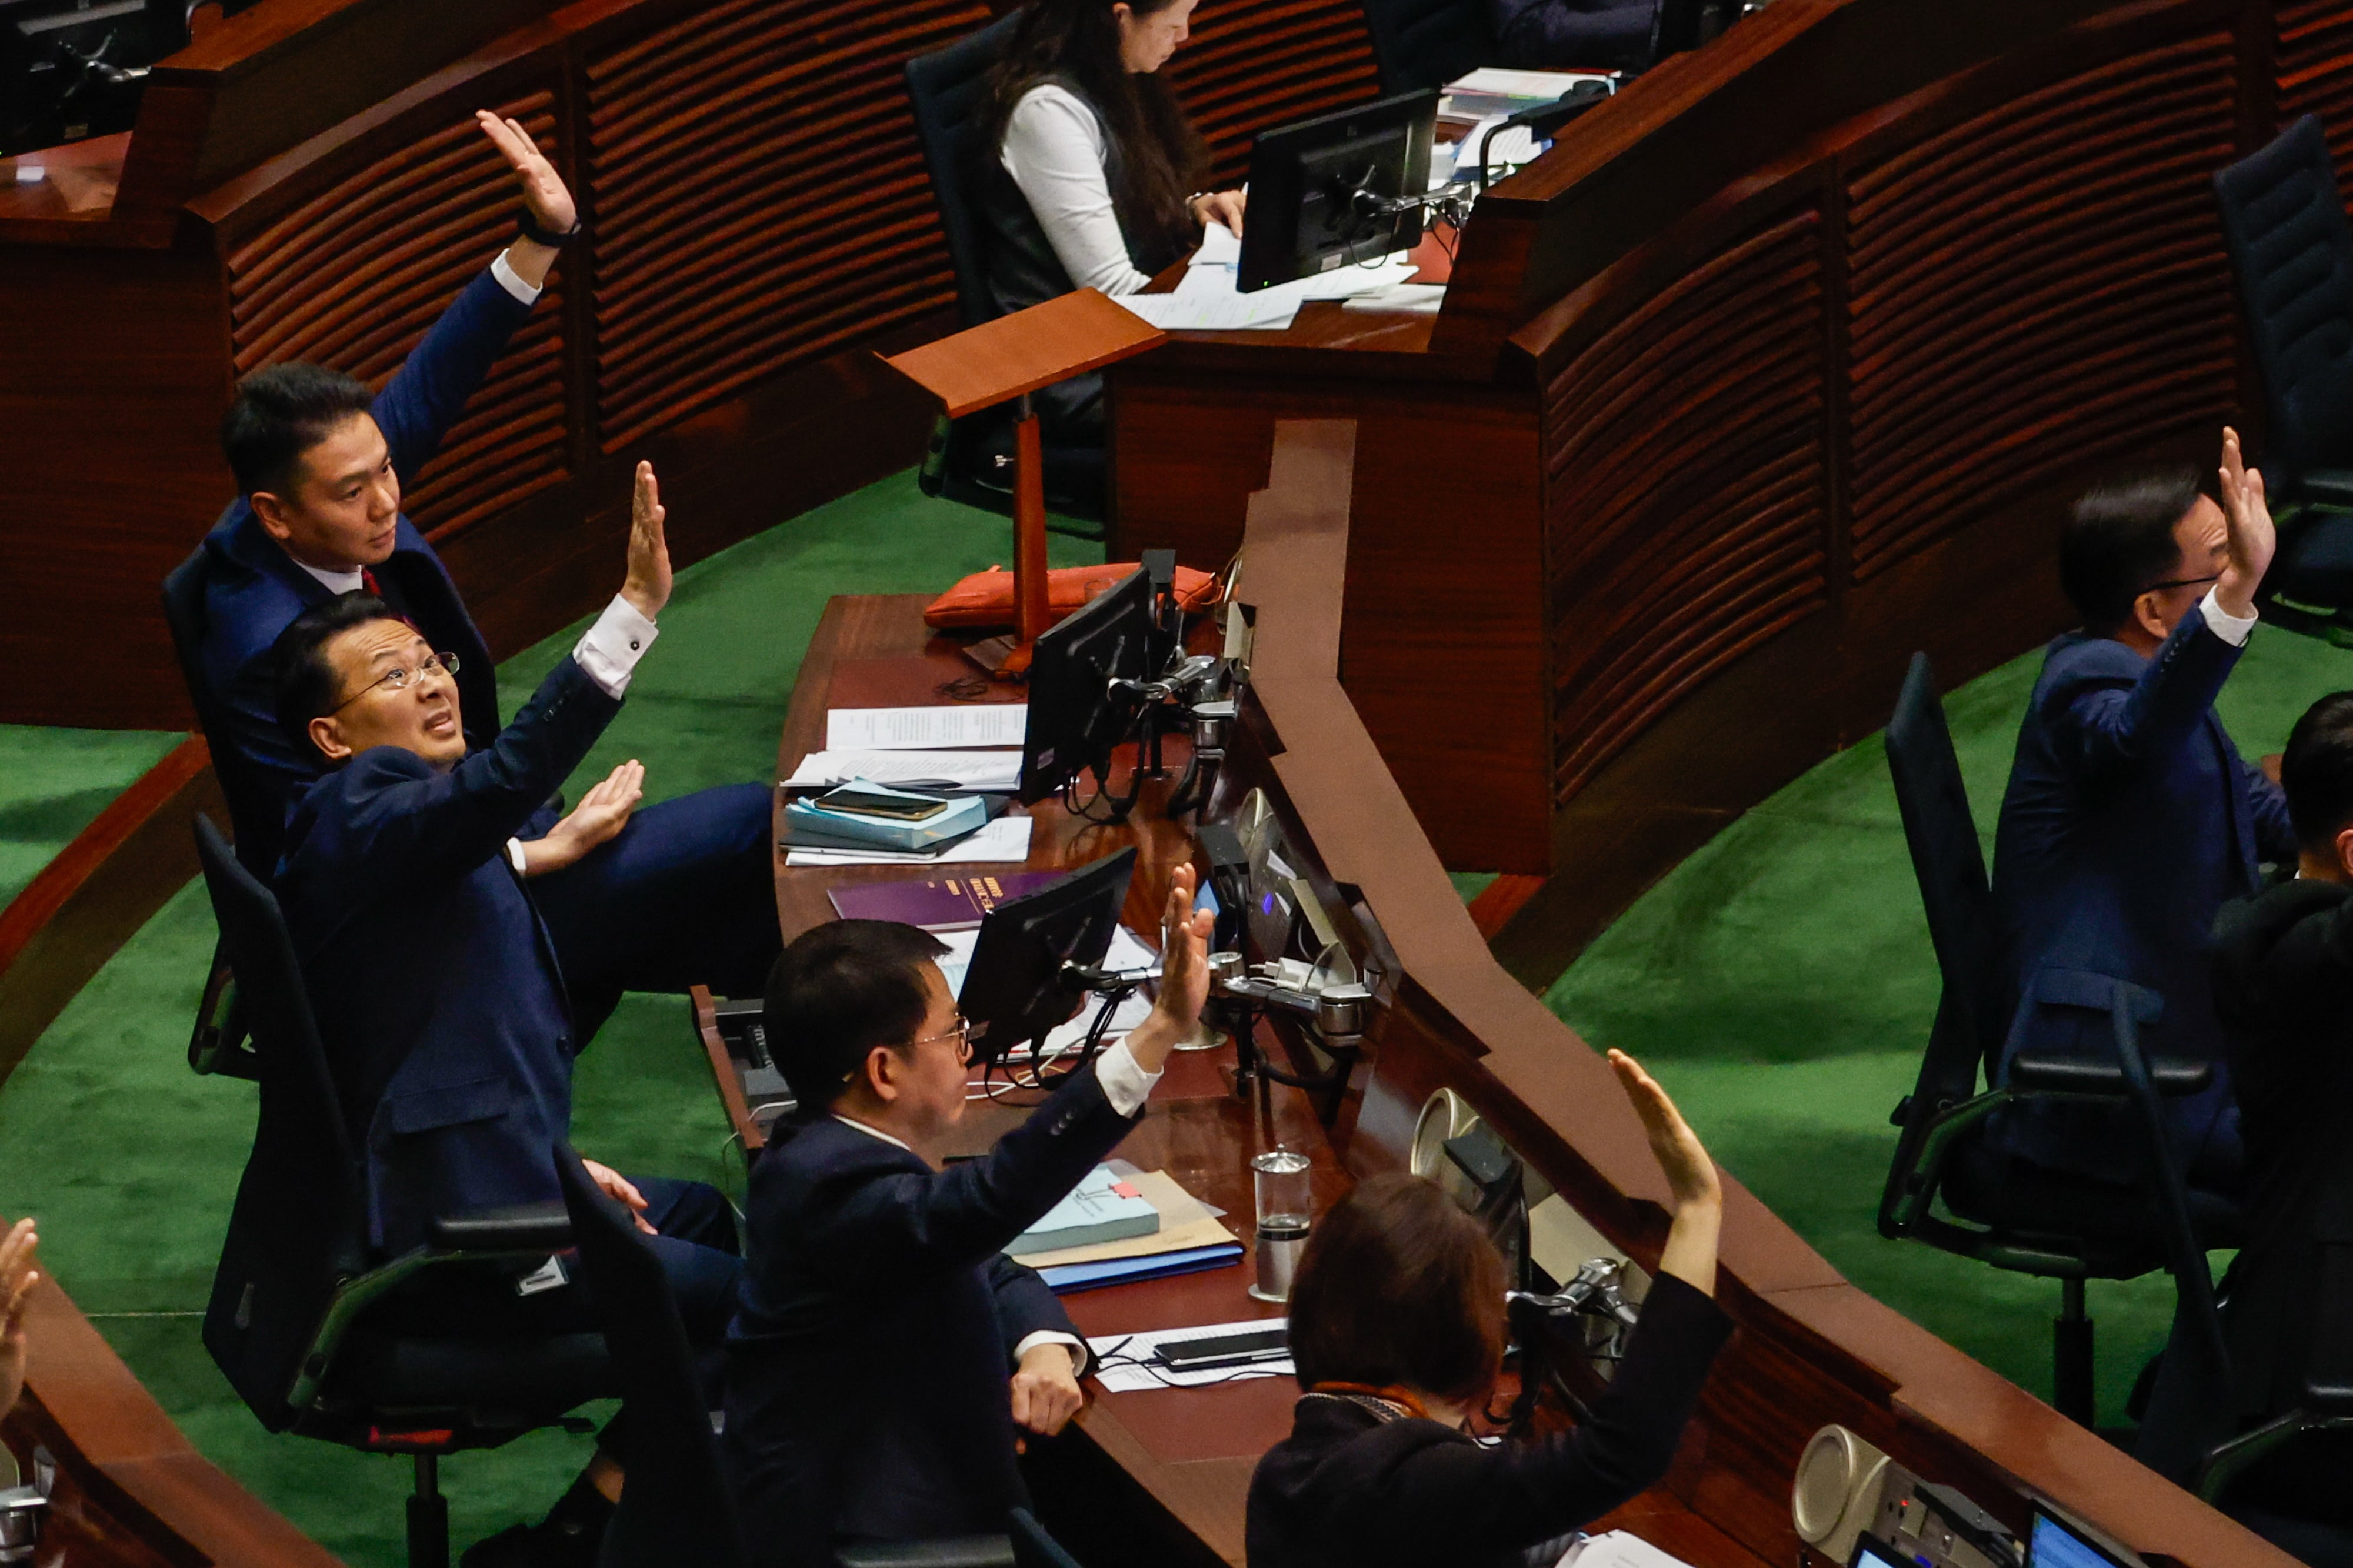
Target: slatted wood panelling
<point x="2036" y="291"/>
<point x="354" y="277"/>
<point x="1686" y="511"/>
<point x="761" y="201"/>
<point x="1252" y="65"/>
<point x="2312" y="66"/>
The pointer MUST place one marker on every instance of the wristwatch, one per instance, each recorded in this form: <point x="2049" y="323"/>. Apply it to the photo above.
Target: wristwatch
<point x="528" y="227"/>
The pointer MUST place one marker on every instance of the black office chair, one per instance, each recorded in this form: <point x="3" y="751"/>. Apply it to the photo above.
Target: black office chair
<point x="2327" y="1409"/>
<point x="1032" y="1547"/>
<point x="2040" y="1223"/>
<point x="292" y="1321"/>
<point x="971" y="459"/>
<point x="218" y="1042"/>
<point x="1420" y="44"/>
<point x="2292" y="251"/>
<point x="676" y="1507"/>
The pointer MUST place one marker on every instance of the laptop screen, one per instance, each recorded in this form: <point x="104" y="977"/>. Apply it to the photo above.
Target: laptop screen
<point x="2057" y="1544"/>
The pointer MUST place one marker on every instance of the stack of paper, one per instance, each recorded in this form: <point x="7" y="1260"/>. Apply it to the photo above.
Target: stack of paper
<point x="1190" y="1237"/>
<point x="1617" y="1548"/>
<point x="1105" y="1206"/>
<point x="911" y="728"/>
<point x="998" y="772"/>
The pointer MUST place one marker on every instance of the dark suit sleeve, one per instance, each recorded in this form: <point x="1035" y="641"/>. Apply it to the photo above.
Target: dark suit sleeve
<point x="866" y="1231"/>
<point x="2104" y="730"/>
<point x="1459" y="1501"/>
<point x="429" y="392"/>
<point x="1569" y="34"/>
<point x="1026" y="1305"/>
<point x="398" y="822"/>
<point x="2274" y="834"/>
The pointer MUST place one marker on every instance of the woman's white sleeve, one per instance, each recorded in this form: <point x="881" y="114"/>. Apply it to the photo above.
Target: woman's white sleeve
<point x="1053" y="148"/>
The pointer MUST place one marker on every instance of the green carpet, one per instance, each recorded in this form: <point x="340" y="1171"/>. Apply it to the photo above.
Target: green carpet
<point x="53" y="782"/>
<point x="1781" y="983"/>
<point x="131" y="1163"/>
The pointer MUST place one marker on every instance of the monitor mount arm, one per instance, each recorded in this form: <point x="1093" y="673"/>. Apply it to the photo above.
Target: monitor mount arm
<point x="1336" y="1014"/>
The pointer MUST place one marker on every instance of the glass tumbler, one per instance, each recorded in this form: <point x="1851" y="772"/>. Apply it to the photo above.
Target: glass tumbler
<point x="1285" y="1202"/>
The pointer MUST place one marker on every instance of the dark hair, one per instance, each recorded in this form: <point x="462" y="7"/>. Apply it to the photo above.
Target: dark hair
<point x="1161" y="159"/>
<point x="2317" y="771"/>
<point x="307" y="683"/>
<point x="837" y="992"/>
<point x="1397" y="1285"/>
<point x="281" y="412"/>
<point x="2119" y="541"/>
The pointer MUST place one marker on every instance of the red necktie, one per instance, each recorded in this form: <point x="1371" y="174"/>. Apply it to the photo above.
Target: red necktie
<point x="367" y="581"/>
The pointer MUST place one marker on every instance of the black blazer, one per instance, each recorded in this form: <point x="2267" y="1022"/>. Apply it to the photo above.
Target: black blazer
<point x="870" y="1361"/>
<point x="1350" y="1490"/>
<point x="437" y="994"/>
<point x="2284" y="989"/>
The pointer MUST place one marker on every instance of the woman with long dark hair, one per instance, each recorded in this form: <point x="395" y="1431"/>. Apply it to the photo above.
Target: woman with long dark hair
<point x="1397" y="1329"/>
<point x="1092" y="171"/>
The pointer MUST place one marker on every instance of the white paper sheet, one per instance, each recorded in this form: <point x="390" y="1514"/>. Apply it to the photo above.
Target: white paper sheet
<point x="943" y="770"/>
<point x="949" y="725"/>
<point x="1124" y="1364"/>
<point x="1418" y="299"/>
<point x="1218" y="244"/>
<point x="1006" y="839"/>
<point x="1212" y="311"/>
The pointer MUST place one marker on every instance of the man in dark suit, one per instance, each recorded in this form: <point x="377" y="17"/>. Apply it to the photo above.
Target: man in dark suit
<point x="2130" y="816"/>
<point x="683" y="891"/>
<point x="2282" y="976"/>
<point x="1580" y="35"/>
<point x="884" y="1354"/>
<point x="437" y="989"/>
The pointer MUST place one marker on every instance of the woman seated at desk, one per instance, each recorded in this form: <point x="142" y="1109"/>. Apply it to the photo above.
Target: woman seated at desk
<point x="1396" y="1329"/>
<point x="1094" y="161"/>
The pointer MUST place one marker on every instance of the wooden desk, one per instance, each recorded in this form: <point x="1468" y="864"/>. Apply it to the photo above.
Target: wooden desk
<point x="1783" y="365"/>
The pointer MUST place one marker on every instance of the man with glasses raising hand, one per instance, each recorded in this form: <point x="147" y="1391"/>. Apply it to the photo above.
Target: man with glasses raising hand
<point x="438" y="993"/>
<point x="2130" y="818"/>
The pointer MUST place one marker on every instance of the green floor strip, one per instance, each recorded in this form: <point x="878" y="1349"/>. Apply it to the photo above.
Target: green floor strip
<point x="53" y="782"/>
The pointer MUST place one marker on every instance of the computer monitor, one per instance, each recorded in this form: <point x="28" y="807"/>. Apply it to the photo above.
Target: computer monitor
<point x="1316" y="189"/>
<point x="72" y="69"/>
<point x="1075" y="715"/>
<point x="1870" y="1551"/>
<point x="2056" y="1542"/>
<point x="1015" y="989"/>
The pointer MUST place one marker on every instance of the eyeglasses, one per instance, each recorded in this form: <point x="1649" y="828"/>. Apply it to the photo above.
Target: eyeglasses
<point x="397" y="679"/>
<point x="961" y="1035"/>
<point x="2182" y="583"/>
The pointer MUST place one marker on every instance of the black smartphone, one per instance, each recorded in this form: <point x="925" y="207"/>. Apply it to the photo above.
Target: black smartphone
<point x="1225" y="1350"/>
<point x="867" y="803"/>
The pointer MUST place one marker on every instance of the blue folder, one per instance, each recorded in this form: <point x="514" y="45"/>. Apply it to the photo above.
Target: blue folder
<point x="1066" y="1277"/>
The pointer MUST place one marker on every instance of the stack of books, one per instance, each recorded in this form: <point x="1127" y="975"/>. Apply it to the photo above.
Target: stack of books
<point x="863" y="815"/>
<point x="1122" y="1225"/>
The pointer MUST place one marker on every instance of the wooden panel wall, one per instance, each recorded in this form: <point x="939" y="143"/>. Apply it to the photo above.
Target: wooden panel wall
<point x="1252" y="65"/>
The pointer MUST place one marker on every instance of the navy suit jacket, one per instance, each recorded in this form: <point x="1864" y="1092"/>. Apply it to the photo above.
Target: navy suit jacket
<point x="870" y="1361"/>
<point x="254" y="589"/>
<point x="1589" y="35"/>
<point x="436" y="992"/>
<point x="2130" y="818"/>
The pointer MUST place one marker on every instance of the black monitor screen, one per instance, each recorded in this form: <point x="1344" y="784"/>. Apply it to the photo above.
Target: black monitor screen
<point x="1014" y="989"/>
<point x="1075" y="717"/>
<point x="1315" y="186"/>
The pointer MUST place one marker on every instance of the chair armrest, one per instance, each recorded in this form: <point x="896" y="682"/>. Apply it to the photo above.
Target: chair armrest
<point x="2172" y="1076"/>
<point x="2325" y="486"/>
<point x="954" y="1551"/>
<point x="523" y="1227"/>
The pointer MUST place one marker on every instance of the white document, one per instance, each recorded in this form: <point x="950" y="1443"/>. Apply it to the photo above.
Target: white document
<point x="1415" y="298"/>
<point x="1212" y="312"/>
<point x="1218" y="244"/>
<point x="1540" y="85"/>
<point x="1003" y="840"/>
<point x="949" y="725"/>
<point x="941" y="770"/>
<point x="1124" y="1362"/>
<point x="1617" y="1548"/>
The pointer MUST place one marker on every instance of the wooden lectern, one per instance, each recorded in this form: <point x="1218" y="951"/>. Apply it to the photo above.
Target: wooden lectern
<point x="1008" y="359"/>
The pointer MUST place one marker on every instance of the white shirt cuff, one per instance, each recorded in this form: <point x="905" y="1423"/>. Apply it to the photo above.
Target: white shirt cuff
<point x="1054" y="1337"/>
<point x="514" y="857"/>
<point x="2231" y="628"/>
<point x="1125" y="1084"/>
<point x="510" y="280"/>
<point x="611" y="648"/>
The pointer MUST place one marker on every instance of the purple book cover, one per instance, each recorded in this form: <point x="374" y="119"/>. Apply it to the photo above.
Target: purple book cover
<point x="937" y="903"/>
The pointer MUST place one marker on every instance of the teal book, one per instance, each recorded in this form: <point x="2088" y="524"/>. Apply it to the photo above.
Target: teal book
<point x="1100" y="1208"/>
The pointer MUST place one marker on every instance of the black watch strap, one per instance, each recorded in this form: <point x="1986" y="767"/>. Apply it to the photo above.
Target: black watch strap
<point x="528" y="227"/>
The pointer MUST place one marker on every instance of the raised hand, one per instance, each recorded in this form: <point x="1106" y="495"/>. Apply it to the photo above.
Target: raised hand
<point x="1184" y="974"/>
<point x="1698" y="1193"/>
<point x="647" y="587"/>
<point x="600" y="817"/>
<point x="545" y="194"/>
<point x="18" y="1274"/>
<point x="2253" y="539"/>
